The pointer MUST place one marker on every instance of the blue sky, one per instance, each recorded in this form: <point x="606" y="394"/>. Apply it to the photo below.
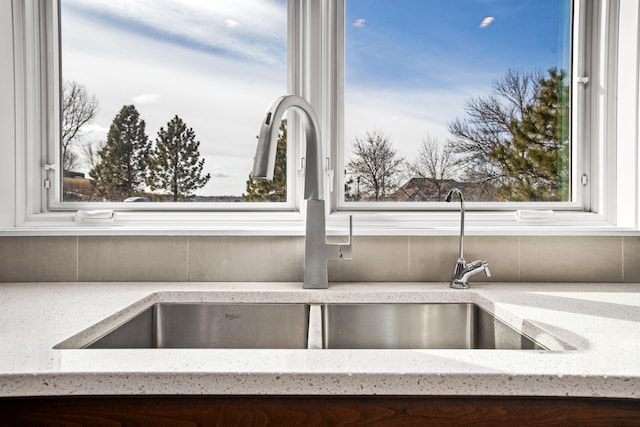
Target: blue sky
<point x="414" y="41"/>
<point x="411" y="64"/>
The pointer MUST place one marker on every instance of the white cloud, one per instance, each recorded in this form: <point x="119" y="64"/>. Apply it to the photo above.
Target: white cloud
<point x="359" y="22"/>
<point x="231" y="23"/>
<point x="95" y="129"/>
<point x="486" y="22"/>
<point x="218" y="174"/>
<point x="206" y="23"/>
<point x="146" y="98"/>
<point x="406" y="116"/>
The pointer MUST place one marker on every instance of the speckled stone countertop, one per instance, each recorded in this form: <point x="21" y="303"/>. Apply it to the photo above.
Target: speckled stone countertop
<point x="594" y="329"/>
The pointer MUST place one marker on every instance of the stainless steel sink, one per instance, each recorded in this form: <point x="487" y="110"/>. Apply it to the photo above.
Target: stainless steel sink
<point x="212" y="325"/>
<point x="306" y="326"/>
<point x="418" y="326"/>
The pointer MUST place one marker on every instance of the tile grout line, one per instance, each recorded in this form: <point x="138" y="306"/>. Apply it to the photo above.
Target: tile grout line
<point x="77" y="258"/>
<point x="519" y="259"/>
<point x="408" y="258"/>
<point x="622" y="256"/>
<point x="188" y="256"/>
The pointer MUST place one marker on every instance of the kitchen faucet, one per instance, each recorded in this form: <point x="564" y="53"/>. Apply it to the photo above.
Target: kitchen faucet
<point x="317" y="251"/>
<point x="464" y="270"/>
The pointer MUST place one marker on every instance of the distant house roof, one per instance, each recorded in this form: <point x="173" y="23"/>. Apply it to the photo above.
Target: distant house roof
<point x="435" y="190"/>
<point x="72" y="174"/>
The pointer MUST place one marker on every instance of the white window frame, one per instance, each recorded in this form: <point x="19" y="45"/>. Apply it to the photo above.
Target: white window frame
<point x="55" y="174"/>
<point x="579" y="167"/>
<point x="316" y="72"/>
<point x="605" y="51"/>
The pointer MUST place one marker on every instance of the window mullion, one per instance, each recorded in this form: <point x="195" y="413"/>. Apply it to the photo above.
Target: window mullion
<point x="316" y="69"/>
<point x="334" y="75"/>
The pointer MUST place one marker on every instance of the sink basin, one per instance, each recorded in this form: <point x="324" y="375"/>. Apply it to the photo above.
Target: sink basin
<point x="305" y="326"/>
<point x="418" y="326"/>
<point x="212" y="325"/>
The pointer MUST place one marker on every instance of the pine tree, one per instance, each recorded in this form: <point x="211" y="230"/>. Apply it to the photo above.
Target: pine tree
<point x="535" y="160"/>
<point x="122" y="169"/>
<point x="517" y="137"/>
<point x="175" y="163"/>
<point x="260" y="190"/>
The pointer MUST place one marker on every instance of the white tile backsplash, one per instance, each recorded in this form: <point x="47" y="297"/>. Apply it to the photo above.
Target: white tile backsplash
<point x="280" y="258"/>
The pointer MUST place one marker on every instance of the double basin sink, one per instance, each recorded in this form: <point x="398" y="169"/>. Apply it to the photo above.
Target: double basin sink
<point x="310" y="326"/>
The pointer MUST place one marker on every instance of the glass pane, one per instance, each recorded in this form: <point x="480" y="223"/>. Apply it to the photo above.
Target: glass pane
<point x="471" y="94"/>
<point x="162" y="100"/>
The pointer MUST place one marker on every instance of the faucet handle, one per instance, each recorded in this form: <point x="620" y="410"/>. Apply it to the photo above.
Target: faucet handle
<point x="345" y="248"/>
<point x="478" y="266"/>
<point x="486" y="269"/>
<point x="473" y="265"/>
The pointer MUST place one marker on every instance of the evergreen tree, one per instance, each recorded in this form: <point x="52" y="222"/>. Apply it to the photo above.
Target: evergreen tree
<point x="175" y="163"/>
<point x="517" y="137"/>
<point x="262" y="190"/>
<point x="122" y="168"/>
<point x="536" y="159"/>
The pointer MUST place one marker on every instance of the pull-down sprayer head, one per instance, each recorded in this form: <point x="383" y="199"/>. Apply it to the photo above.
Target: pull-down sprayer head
<point x="265" y="160"/>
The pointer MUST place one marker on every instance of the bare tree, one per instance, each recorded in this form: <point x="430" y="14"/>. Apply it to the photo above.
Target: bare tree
<point x="516" y="138"/>
<point x="434" y="160"/>
<point x="79" y="108"/>
<point x="487" y="125"/>
<point x="435" y="163"/>
<point x="72" y="158"/>
<point x="91" y="153"/>
<point x="376" y="166"/>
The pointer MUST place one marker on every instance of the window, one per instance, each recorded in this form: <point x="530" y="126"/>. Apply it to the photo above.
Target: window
<point x="469" y="94"/>
<point x="162" y="100"/>
<point x="330" y="50"/>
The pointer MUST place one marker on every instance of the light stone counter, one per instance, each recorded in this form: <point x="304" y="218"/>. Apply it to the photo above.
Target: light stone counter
<point x="596" y="329"/>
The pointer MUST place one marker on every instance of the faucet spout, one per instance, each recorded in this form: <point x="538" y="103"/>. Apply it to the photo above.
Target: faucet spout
<point x="317" y="250"/>
<point x="463" y="270"/>
<point x="448" y="199"/>
<point x="461" y="281"/>
<point x="265" y="160"/>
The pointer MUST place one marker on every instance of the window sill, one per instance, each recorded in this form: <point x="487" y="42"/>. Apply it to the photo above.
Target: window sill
<point x="477" y="223"/>
<point x="292" y="224"/>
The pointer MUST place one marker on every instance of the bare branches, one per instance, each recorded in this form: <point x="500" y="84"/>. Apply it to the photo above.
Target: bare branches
<point x="487" y="125"/>
<point x="435" y="165"/>
<point x="78" y="110"/>
<point x="91" y="153"/>
<point x="516" y="137"/>
<point x="376" y="166"/>
<point x="434" y="161"/>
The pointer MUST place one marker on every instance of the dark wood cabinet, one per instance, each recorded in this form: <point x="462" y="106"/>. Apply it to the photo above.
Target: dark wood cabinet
<point x="316" y="411"/>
